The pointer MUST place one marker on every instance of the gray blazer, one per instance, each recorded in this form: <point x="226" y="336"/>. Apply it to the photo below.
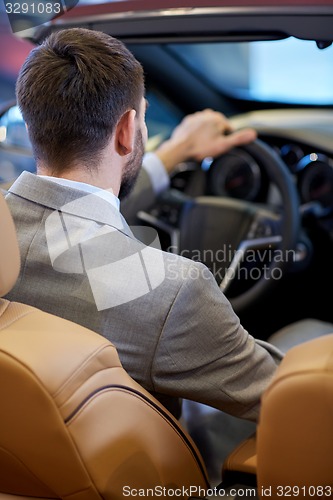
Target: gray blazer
<point x="175" y="331"/>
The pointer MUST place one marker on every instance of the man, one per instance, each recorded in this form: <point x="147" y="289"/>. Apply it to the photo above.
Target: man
<point x="81" y="94"/>
<point x="198" y="136"/>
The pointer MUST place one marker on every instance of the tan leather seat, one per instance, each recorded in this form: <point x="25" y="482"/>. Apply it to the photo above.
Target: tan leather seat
<point x="73" y="424"/>
<point x="295" y="432"/>
<point x="292" y="454"/>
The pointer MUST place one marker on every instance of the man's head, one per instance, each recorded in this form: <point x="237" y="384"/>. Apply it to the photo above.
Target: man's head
<point x="73" y="91"/>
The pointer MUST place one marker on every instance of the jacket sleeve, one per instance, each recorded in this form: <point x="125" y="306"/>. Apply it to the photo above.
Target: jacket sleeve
<point x="205" y="354"/>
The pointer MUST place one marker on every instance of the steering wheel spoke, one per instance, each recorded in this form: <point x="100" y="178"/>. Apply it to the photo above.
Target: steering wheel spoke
<point x="270" y="242"/>
<point x="265" y="223"/>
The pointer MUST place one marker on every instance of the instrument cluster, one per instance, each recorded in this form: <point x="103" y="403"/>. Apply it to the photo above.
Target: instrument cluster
<point x="238" y="175"/>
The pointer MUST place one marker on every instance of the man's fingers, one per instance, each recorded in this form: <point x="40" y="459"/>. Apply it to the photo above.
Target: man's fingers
<point x="244" y="136"/>
<point x="225" y="142"/>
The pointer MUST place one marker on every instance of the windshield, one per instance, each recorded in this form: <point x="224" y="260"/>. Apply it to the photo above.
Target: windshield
<point x="288" y="71"/>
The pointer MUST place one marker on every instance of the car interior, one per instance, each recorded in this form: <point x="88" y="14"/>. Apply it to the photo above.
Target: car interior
<point x="256" y="73"/>
<point x="74" y="424"/>
<point x="270" y="212"/>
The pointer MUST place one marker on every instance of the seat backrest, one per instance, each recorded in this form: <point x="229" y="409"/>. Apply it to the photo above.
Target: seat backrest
<point x="9" y="251"/>
<point x="295" y="431"/>
<point x="74" y="424"/>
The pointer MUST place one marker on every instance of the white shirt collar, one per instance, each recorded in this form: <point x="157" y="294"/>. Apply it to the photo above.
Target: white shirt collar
<point x="107" y="195"/>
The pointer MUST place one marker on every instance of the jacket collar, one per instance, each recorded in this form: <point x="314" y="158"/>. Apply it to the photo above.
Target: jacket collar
<point x="68" y="200"/>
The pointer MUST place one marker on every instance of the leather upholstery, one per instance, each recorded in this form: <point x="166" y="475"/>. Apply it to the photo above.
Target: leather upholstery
<point x="291" y="454"/>
<point x="295" y="432"/>
<point x="9" y="252"/>
<point x="240" y="466"/>
<point x="74" y="425"/>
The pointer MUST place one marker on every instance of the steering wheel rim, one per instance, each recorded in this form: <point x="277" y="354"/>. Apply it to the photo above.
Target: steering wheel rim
<point x="279" y="175"/>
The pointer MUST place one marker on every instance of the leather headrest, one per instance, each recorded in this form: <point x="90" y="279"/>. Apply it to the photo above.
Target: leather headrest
<point x="295" y="434"/>
<point x="9" y="250"/>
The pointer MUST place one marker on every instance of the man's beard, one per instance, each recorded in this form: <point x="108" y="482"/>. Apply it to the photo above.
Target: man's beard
<point x="132" y="167"/>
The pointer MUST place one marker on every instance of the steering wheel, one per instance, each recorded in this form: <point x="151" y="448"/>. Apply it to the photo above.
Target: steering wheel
<point x="224" y="232"/>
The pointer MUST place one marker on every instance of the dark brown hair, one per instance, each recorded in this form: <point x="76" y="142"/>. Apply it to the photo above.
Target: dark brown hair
<point x="72" y="90"/>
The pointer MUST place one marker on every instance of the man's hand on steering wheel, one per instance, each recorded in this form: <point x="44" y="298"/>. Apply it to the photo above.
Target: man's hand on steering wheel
<point x="199" y="135"/>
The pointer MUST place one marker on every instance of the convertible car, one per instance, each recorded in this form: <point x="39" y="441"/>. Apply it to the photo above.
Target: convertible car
<point x="265" y="211"/>
<point x="261" y="216"/>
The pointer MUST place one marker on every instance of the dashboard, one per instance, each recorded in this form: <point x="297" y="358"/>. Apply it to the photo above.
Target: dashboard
<point x="239" y="175"/>
<point x="303" y="139"/>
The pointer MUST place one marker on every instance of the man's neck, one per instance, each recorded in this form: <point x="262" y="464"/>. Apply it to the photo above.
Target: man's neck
<point x="99" y="177"/>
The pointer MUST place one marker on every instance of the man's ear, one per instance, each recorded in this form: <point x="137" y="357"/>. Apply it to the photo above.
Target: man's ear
<point x="125" y="133"/>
